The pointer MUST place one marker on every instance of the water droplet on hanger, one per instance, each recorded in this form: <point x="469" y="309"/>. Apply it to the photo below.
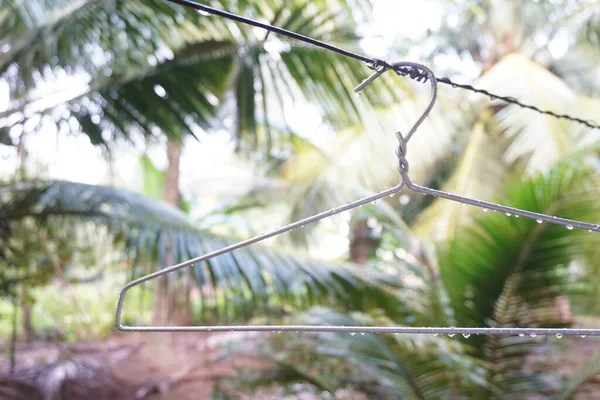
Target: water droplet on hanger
<point x="357" y="94"/>
<point x="396" y="333"/>
<point x="352" y="333"/>
<point x="590" y="230"/>
<point x="569" y="227"/>
<point x="302" y="226"/>
<point x="205" y="13"/>
<point x="539" y="221"/>
<point x="392" y="195"/>
<point x="374" y="202"/>
<point x="533" y="335"/>
<point x="484" y="209"/>
<point x="362" y="334"/>
<point x="451" y="334"/>
<point x="559" y="335"/>
<point x="521" y="334"/>
<point x="508" y="214"/>
<point x="435" y="334"/>
<point x="466" y="335"/>
<point x="582" y="336"/>
<point x="516" y="216"/>
<point x="463" y="204"/>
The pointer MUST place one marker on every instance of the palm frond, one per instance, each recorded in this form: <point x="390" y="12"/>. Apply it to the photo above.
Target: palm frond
<point x="507" y="271"/>
<point x="387" y="366"/>
<point x="244" y="280"/>
<point x="539" y="140"/>
<point x="479" y="174"/>
<point x="161" y="67"/>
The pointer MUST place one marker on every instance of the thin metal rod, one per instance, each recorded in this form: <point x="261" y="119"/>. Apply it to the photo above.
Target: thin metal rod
<point x="570" y="224"/>
<point x="239" y="245"/>
<point x="369" y="329"/>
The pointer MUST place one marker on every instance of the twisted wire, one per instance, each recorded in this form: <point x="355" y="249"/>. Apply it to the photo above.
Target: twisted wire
<point x="375" y="63"/>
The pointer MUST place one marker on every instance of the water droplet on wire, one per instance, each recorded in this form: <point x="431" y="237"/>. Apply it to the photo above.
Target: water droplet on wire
<point x="539" y="221"/>
<point x="559" y="335"/>
<point x="521" y="334"/>
<point x="533" y="335"/>
<point x="484" y="209"/>
<point x="569" y="227"/>
<point x="205" y="13"/>
<point x="508" y="214"/>
<point x="352" y="333"/>
<point x="451" y="334"/>
<point x="466" y="335"/>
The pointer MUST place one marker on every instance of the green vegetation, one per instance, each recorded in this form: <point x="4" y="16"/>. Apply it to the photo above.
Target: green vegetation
<point x="153" y="75"/>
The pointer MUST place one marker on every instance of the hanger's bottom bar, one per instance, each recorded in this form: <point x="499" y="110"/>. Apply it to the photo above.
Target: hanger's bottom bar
<point x="369" y="329"/>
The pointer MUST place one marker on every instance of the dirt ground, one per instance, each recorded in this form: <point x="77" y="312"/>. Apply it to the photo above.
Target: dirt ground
<point x="182" y="367"/>
<point x="161" y="365"/>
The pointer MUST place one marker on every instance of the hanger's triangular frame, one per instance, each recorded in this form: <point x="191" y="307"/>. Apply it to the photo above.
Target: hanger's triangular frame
<point x="415" y="71"/>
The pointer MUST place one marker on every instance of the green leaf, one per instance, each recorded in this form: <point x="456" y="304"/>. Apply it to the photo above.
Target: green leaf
<point x="504" y="271"/>
<point x="242" y="280"/>
<point x="153" y="178"/>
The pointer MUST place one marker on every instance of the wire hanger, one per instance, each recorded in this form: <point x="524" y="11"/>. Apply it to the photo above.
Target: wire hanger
<point x="422" y="74"/>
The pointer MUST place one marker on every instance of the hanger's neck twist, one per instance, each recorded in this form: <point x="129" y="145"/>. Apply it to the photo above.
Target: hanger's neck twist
<point x="417" y="72"/>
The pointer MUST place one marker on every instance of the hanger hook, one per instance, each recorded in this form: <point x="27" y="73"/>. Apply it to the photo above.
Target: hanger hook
<point x="418" y="72"/>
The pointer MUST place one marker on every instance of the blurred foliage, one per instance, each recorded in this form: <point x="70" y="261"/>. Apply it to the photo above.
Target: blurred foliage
<point x="154" y="69"/>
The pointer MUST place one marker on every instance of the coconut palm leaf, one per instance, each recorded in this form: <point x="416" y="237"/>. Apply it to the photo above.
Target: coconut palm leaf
<point x="479" y="174"/>
<point x="173" y="65"/>
<point x="584" y="24"/>
<point x="507" y="271"/>
<point x="243" y="280"/>
<point x="392" y="366"/>
<point x="90" y="36"/>
<point x="538" y="140"/>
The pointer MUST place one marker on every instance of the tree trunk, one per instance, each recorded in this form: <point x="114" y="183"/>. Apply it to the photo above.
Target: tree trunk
<point x="25" y="296"/>
<point x="165" y="287"/>
<point x="361" y="242"/>
<point x="27" y="325"/>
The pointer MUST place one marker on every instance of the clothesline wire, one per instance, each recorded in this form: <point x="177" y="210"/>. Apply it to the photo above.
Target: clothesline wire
<point x="372" y="62"/>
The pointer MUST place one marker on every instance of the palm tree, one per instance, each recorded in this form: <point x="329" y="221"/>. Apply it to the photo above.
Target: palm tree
<point x="497" y="271"/>
<point x="241" y="283"/>
<point x="155" y="68"/>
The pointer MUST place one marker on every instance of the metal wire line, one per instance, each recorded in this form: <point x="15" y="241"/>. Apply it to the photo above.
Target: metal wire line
<point x="374" y="63"/>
